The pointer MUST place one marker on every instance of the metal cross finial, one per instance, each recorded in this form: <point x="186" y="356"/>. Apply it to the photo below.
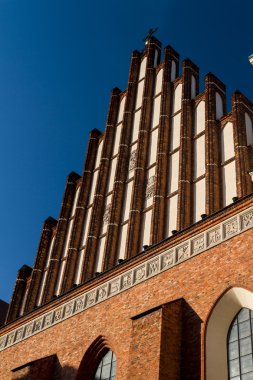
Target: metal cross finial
<point x="150" y="34"/>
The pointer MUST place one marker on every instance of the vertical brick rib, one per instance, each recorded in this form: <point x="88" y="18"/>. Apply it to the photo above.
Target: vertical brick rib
<point x="60" y="236"/>
<point x="162" y="162"/>
<point x="184" y="217"/>
<point x="212" y="144"/>
<point x="239" y="107"/>
<point x="122" y="165"/>
<point x="39" y="264"/>
<point x="134" y="226"/>
<point x="101" y="187"/>
<point x="18" y="293"/>
<point x="80" y="213"/>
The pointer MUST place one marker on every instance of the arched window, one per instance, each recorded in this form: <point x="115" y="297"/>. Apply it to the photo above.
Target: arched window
<point x="107" y="367"/>
<point x="240" y="346"/>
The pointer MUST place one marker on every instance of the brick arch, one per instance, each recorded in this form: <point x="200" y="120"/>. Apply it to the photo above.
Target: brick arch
<point x="92" y="358"/>
<point x="217" y="326"/>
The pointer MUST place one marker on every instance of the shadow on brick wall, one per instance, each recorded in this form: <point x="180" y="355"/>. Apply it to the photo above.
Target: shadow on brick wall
<point x="47" y="368"/>
<point x="191" y="344"/>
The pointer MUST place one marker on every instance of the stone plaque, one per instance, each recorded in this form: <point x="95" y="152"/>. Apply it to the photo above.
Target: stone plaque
<point x="153" y="267"/>
<point x="167" y="259"/>
<point x="183" y="252"/>
<point x="230" y="228"/>
<point x="126" y="280"/>
<point x="247" y="220"/>
<point x="213" y="237"/>
<point x="198" y="244"/>
<point x="140" y="273"/>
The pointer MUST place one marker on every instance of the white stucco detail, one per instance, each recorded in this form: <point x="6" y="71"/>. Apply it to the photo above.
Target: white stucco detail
<point x="173" y="172"/>
<point x="117" y="139"/>
<point x="227" y="142"/>
<point x="249" y="129"/>
<point x="199" y="122"/>
<point x="175" y="131"/>
<point x="150" y="178"/>
<point x="108" y="200"/>
<point x="173" y="70"/>
<point x="122" y="241"/>
<point x="171" y="214"/>
<point x="199" y="156"/>
<point x="24" y="301"/>
<point x="112" y="174"/>
<point x="44" y="277"/>
<point x="146" y="226"/>
<point x="193" y="87"/>
<point x="65" y="254"/>
<point x="152" y="147"/>
<point x="126" y="206"/>
<point x="86" y="226"/>
<point x="75" y="201"/>
<point x="93" y="186"/>
<point x="159" y="82"/>
<point x="143" y="68"/>
<point x="156" y="112"/>
<point x="139" y="94"/>
<point x="67" y="238"/>
<point x="60" y="277"/>
<point x="121" y="109"/>
<point x="79" y="267"/>
<point x="133" y="155"/>
<point x="229" y="183"/>
<point x="177" y="99"/>
<point x="99" y="151"/>
<point x="136" y="125"/>
<point x="199" y="194"/>
<point x="219" y="106"/>
<point x="217" y="330"/>
<point x="100" y="254"/>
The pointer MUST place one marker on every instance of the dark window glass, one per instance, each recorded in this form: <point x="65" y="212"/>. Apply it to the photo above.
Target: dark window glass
<point x="106" y="368"/>
<point x="240" y="346"/>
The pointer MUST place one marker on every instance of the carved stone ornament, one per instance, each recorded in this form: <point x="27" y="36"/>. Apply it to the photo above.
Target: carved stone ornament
<point x="150" y="189"/>
<point x="133" y="159"/>
<point x="107" y="213"/>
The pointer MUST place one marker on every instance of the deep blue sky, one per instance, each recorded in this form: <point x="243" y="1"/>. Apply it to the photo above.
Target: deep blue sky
<point x="59" y="61"/>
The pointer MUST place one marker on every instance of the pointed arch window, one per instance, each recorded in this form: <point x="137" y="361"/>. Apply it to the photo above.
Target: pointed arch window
<point x="240" y="346"/>
<point x="107" y="367"/>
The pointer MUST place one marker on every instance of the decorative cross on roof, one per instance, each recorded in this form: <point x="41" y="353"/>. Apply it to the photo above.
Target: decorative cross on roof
<point x="150" y="34"/>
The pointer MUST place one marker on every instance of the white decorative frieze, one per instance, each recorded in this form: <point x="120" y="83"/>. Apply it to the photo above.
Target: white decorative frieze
<point x="163" y="261"/>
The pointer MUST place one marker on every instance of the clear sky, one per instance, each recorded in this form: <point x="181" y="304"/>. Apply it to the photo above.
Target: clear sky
<point x="59" y="60"/>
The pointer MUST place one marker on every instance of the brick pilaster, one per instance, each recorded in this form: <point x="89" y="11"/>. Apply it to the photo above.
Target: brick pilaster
<point x="80" y="213"/>
<point x="39" y="264"/>
<point x="18" y="293"/>
<point x="212" y="143"/>
<point x="240" y="105"/>
<point x="62" y="226"/>
<point x="154" y="355"/>
<point x="122" y="165"/>
<point x="162" y="162"/>
<point x="184" y="216"/>
<point x="139" y="184"/>
<point x="101" y="187"/>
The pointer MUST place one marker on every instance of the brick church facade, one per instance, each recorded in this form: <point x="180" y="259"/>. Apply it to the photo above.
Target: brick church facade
<point x="148" y="272"/>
